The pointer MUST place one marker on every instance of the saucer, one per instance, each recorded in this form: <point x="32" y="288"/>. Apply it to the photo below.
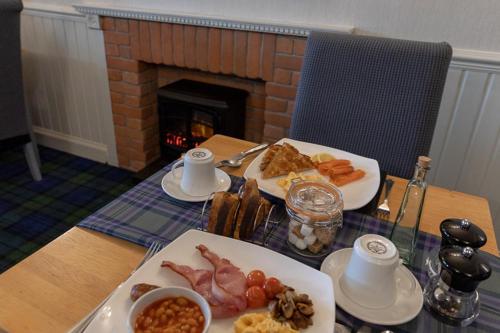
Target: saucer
<point x="409" y="297"/>
<point x="172" y="187"/>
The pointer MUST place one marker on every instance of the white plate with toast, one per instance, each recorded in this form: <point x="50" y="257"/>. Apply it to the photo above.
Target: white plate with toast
<point x="356" y="194"/>
<point x="113" y="316"/>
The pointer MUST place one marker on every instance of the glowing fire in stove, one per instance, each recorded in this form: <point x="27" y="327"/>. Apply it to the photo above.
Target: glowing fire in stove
<point x="176" y="140"/>
<point x="199" y="133"/>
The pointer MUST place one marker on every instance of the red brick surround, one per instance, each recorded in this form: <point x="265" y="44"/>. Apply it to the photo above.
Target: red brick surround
<point x="266" y="65"/>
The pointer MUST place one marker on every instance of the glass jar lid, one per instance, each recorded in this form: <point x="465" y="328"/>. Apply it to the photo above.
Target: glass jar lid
<point x="463" y="268"/>
<point x="314" y="201"/>
<point x="462" y="232"/>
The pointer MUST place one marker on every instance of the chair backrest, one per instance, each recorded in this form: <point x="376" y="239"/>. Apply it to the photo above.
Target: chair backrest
<point x="375" y="97"/>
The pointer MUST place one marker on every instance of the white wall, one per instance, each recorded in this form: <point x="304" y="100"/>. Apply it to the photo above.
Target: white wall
<point x="465" y="24"/>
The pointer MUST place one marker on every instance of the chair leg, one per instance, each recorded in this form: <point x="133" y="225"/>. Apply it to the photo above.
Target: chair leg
<point x="31" y="158"/>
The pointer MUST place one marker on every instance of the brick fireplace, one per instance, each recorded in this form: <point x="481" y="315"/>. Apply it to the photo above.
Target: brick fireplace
<point x="143" y="55"/>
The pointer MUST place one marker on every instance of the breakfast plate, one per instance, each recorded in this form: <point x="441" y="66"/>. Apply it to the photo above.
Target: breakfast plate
<point x="171" y="186"/>
<point x="409" y="297"/>
<point x="355" y="195"/>
<point x="112" y="317"/>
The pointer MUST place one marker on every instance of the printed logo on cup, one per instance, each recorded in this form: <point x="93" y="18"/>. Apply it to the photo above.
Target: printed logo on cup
<point x="376" y="247"/>
<point x="199" y="154"/>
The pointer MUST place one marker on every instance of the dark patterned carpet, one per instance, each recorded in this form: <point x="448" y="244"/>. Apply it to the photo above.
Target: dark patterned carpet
<point x="34" y="213"/>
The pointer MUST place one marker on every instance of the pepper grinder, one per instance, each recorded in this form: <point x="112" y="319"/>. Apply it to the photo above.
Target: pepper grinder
<point x="461" y="232"/>
<point x="452" y="296"/>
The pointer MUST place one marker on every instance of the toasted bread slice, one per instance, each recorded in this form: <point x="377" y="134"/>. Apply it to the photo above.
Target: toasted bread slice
<point x="249" y="226"/>
<point x="286" y="160"/>
<point x="269" y="155"/>
<point x="250" y="202"/>
<point x="222" y="213"/>
<point x="265" y="206"/>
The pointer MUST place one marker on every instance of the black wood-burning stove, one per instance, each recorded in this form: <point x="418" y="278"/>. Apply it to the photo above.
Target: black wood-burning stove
<point x="190" y="112"/>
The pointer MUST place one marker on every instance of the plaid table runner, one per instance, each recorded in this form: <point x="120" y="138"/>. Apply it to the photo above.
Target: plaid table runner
<point x="145" y="213"/>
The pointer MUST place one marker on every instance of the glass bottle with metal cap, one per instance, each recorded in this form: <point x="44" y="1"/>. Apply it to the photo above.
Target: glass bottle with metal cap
<point x="405" y="230"/>
<point x="452" y="295"/>
<point x="461" y="232"/>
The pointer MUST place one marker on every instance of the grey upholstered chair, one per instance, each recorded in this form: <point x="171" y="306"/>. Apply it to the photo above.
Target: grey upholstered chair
<point x="15" y="128"/>
<point x="374" y="97"/>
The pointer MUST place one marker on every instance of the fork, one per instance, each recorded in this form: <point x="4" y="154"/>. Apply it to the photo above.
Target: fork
<point x="153" y="249"/>
<point x="383" y="211"/>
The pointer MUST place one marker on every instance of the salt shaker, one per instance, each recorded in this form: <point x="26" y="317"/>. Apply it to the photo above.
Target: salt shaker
<point x="454" y="231"/>
<point x="452" y="296"/>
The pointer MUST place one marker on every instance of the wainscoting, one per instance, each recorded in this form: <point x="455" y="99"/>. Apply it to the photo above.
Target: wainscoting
<point x="466" y="144"/>
<point x="66" y="84"/>
<point x="67" y="92"/>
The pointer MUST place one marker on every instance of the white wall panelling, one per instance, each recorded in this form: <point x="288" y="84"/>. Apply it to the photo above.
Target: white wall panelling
<point x="66" y="83"/>
<point x="466" y="143"/>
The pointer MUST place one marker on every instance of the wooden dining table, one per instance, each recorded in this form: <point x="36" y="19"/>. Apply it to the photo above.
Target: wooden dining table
<point x="53" y="289"/>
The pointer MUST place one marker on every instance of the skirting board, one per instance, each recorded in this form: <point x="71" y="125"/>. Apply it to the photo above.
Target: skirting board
<point x="71" y="144"/>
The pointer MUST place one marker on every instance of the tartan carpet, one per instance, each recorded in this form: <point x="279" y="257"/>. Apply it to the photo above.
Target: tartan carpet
<point x="34" y="213"/>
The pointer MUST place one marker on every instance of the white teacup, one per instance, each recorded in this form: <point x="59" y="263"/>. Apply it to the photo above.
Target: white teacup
<point x="369" y="277"/>
<point x="198" y="175"/>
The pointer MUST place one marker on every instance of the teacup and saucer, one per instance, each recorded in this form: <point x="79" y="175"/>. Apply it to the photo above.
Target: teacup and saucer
<point x="194" y="178"/>
<point x="372" y="284"/>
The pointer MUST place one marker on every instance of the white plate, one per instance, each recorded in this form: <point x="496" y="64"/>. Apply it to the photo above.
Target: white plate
<point x="112" y="317"/>
<point x="356" y="194"/>
<point x="409" y="298"/>
<point x="171" y="186"/>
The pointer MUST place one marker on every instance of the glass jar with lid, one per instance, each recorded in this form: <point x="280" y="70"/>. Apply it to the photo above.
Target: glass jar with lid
<point x="315" y="211"/>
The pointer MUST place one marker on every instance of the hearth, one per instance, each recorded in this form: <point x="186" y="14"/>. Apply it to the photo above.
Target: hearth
<point x="190" y="112"/>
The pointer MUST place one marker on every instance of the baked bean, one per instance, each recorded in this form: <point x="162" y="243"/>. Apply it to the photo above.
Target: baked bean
<point x="159" y="312"/>
<point x="170" y="315"/>
<point x="181" y="301"/>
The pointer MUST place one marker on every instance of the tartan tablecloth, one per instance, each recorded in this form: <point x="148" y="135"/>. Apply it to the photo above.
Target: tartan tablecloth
<point x="145" y="213"/>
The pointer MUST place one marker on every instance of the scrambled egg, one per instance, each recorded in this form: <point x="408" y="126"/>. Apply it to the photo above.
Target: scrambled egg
<point x="260" y="323"/>
<point x="286" y="182"/>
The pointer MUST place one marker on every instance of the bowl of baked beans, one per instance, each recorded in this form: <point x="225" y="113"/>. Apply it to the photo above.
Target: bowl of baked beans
<point x="170" y="310"/>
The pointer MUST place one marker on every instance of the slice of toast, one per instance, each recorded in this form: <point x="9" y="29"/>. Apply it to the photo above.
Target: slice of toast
<point x="249" y="205"/>
<point x="265" y="206"/>
<point x="222" y="213"/>
<point x="249" y="226"/>
<point x="269" y="155"/>
<point x="286" y="160"/>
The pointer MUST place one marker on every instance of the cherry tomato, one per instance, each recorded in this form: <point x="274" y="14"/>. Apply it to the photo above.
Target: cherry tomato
<point x="256" y="278"/>
<point x="256" y="297"/>
<point x="272" y="287"/>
